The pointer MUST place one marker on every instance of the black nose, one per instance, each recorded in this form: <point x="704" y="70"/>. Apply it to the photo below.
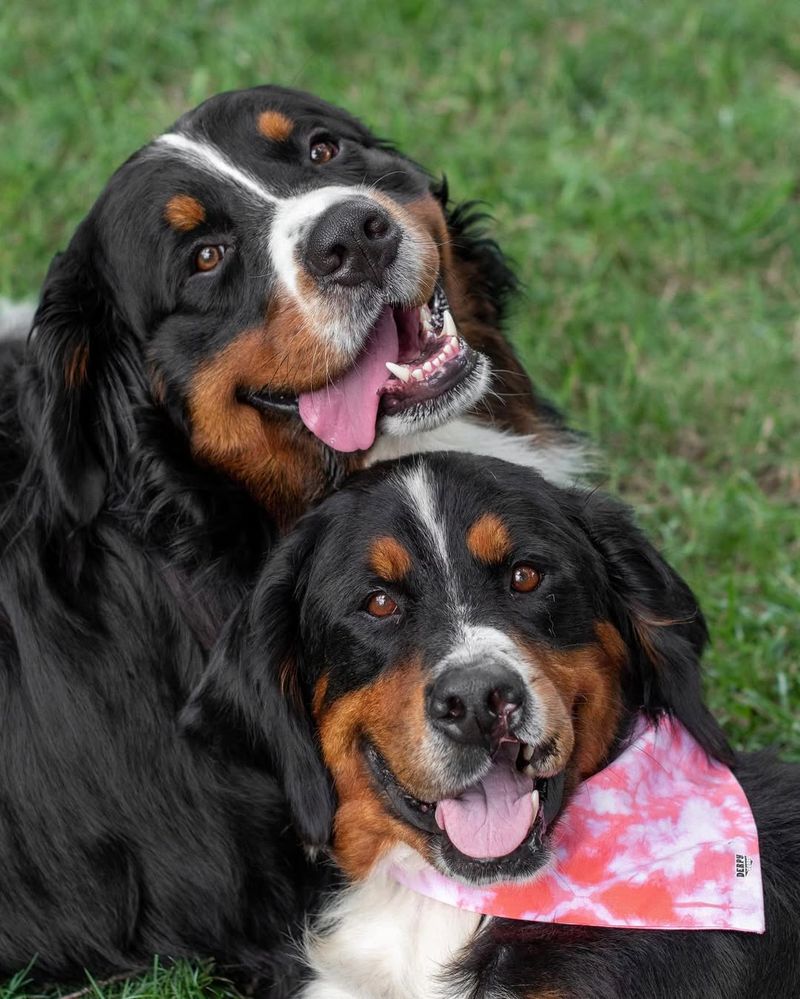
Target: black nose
<point x="352" y="242"/>
<point x="476" y="705"/>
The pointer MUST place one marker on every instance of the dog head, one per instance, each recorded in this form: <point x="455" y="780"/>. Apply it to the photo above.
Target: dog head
<point x="456" y="643"/>
<point x="284" y="286"/>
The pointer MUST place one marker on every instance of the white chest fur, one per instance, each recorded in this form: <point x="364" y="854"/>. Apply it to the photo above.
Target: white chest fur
<point x="380" y="940"/>
<point x="564" y="462"/>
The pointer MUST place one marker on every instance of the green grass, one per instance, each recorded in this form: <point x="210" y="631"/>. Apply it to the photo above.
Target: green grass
<point x="181" y="981"/>
<point x="642" y="161"/>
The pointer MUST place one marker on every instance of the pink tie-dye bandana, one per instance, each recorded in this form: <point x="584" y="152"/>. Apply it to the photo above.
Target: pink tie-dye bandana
<point x="663" y="838"/>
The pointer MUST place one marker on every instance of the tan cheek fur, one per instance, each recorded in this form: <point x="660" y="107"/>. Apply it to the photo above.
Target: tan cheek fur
<point x="363" y="830"/>
<point x="277" y="460"/>
<point x="581" y="694"/>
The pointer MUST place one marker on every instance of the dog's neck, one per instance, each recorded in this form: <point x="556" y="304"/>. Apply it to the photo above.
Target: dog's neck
<point x="380" y="940"/>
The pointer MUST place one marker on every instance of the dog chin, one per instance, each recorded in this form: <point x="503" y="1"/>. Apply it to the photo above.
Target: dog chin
<point x="526" y="863"/>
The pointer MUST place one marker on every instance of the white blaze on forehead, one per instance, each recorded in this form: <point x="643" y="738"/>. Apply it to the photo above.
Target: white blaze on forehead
<point x="420" y="496"/>
<point x="478" y="640"/>
<point x="210" y="159"/>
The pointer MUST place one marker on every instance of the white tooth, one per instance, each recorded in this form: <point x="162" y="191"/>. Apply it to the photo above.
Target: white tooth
<point x="399" y="371"/>
<point x="437" y="361"/>
<point x="417" y="373"/>
<point x="535" y="802"/>
<point x="425" y="315"/>
<point x="427" y="366"/>
<point x="453" y="340"/>
<point x="448" y="349"/>
<point x="527" y="752"/>
<point x="449" y="325"/>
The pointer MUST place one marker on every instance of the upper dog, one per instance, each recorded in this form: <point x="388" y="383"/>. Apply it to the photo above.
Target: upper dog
<point x="209" y="355"/>
<point x="414" y="627"/>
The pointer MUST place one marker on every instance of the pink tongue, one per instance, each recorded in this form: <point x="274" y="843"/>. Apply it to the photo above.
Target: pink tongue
<point x="344" y="413"/>
<point x="492" y="818"/>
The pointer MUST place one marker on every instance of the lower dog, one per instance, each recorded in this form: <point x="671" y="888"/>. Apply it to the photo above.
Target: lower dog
<point x="440" y="659"/>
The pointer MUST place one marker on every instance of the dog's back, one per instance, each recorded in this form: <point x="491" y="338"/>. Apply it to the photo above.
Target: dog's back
<point x="120" y="838"/>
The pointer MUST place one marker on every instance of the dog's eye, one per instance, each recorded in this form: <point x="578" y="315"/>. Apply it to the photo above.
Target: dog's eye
<point x="524" y="578"/>
<point x="380" y="604"/>
<point x="208" y="257"/>
<point x="322" y="151"/>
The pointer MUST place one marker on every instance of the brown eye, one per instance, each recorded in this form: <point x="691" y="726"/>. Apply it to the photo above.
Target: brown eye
<point x="209" y="257"/>
<point x="322" y="151"/>
<point x="380" y="604"/>
<point x="524" y="578"/>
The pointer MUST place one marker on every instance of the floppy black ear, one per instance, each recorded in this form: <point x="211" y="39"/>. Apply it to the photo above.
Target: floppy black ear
<point x="252" y="697"/>
<point x="69" y="324"/>
<point x="659" y="619"/>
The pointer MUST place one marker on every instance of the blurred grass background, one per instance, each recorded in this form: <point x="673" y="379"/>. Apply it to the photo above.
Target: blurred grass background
<point x="642" y="161"/>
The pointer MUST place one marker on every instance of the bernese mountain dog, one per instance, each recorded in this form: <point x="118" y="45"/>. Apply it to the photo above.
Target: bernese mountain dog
<point x="439" y="655"/>
<point x="262" y="299"/>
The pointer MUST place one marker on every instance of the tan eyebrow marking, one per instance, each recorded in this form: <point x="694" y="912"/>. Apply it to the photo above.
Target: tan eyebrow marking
<point x="389" y="559"/>
<point x="184" y="212"/>
<point x="275" y="126"/>
<point x="488" y="539"/>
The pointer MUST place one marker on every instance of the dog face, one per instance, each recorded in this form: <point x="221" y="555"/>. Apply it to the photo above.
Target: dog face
<point x="281" y="282"/>
<point x="304" y="255"/>
<point x="468" y="678"/>
<point x="464" y="643"/>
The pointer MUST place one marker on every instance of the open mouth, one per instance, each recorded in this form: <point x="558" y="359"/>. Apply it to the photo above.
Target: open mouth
<point x="432" y="357"/>
<point x="492" y="830"/>
<point x="411" y="357"/>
